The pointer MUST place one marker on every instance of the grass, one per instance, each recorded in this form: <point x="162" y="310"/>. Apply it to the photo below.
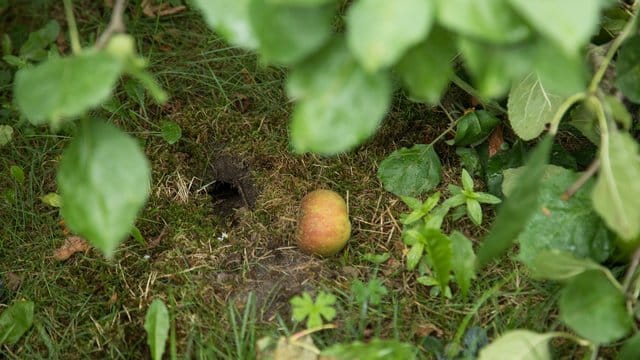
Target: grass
<point x="224" y="295"/>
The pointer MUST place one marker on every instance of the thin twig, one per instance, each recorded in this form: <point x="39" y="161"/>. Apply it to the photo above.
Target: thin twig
<point x="586" y="175"/>
<point x="633" y="266"/>
<point x="73" y="28"/>
<point x="116" y="24"/>
<point x="489" y="104"/>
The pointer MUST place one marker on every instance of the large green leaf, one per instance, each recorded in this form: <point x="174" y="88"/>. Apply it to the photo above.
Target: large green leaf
<point x="230" y="19"/>
<point x="426" y="68"/>
<point x="34" y="47"/>
<point x="559" y="265"/>
<point x="474" y="127"/>
<point x="569" y="23"/>
<point x="571" y="226"/>
<point x="288" y="34"/>
<point x="518" y="345"/>
<point x="15" y="320"/>
<point x="631" y="348"/>
<point x="376" y="349"/>
<point x="616" y="196"/>
<point x="531" y="107"/>
<point x="594" y="308"/>
<point x="339" y="105"/>
<point x="515" y="212"/>
<point x="412" y="171"/>
<point x="156" y="324"/>
<point x="628" y="69"/>
<point x="380" y="31"/>
<point x="491" y="20"/>
<point x="104" y="181"/>
<point x="463" y="261"/>
<point x="301" y="2"/>
<point x="65" y="87"/>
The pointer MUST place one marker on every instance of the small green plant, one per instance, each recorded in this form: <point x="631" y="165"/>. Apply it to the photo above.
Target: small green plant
<point x="15" y="320"/>
<point x="314" y="311"/>
<point x="156" y="324"/>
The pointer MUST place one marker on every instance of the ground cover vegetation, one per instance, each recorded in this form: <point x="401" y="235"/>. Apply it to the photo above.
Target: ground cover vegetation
<point x="155" y="153"/>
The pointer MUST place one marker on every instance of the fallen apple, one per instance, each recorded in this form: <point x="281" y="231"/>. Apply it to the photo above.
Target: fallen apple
<point x="323" y="225"/>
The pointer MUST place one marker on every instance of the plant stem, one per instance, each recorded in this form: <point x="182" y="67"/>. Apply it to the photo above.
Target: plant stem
<point x="586" y="175"/>
<point x="626" y="32"/>
<point x="73" y="28"/>
<point x="454" y="123"/>
<point x="633" y="266"/>
<point x="564" y="107"/>
<point x="116" y="24"/>
<point x="473" y="92"/>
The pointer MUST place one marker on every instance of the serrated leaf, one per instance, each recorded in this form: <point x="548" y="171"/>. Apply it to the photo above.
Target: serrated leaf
<point x="339" y="105"/>
<point x="15" y="320"/>
<point x="490" y="20"/>
<point x="628" y="69"/>
<point x="417" y="67"/>
<point x="569" y="23"/>
<point x="230" y="19"/>
<point x="156" y="324"/>
<point x="103" y="180"/>
<point x="556" y="224"/>
<point x="373" y="291"/>
<point x="616" y="195"/>
<point x="594" y="308"/>
<point x="474" y="127"/>
<point x="380" y="31"/>
<point x="6" y="134"/>
<point x="438" y="247"/>
<point x="515" y="212"/>
<point x="304" y="307"/>
<point x="376" y="349"/>
<point x="65" y="87"/>
<point x="463" y="261"/>
<point x="630" y="349"/>
<point x="559" y="265"/>
<point x="171" y="132"/>
<point x="276" y="27"/>
<point x="411" y="171"/>
<point x="518" y="345"/>
<point x="531" y="107"/>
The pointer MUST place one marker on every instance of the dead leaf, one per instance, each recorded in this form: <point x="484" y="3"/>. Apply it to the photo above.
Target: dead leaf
<point x="13" y="280"/>
<point x="72" y="245"/>
<point x="425" y="330"/>
<point x="163" y="9"/>
<point x="495" y="140"/>
<point x="292" y="348"/>
<point x="113" y="299"/>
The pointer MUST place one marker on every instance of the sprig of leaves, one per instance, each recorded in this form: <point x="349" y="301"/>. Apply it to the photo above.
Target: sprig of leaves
<point x="314" y="311"/>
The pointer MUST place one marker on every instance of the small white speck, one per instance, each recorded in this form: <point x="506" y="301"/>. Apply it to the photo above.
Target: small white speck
<point x="147" y="257"/>
<point x="223" y="236"/>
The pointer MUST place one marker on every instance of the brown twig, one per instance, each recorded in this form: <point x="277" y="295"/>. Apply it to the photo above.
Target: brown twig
<point x="116" y="24"/>
<point x="633" y="266"/>
<point x="586" y="175"/>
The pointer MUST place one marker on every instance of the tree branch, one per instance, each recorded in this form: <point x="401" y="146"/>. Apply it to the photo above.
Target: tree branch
<point x="116" y="24"/>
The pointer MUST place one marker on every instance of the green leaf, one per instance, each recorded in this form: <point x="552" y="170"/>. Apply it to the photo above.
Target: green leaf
<point x="474" y="127"/>
<point x="6" y="134"/>
<point x="277" y="28"/>
<point x="594" y="308"/>
<point x="617" y="111"/>
<point x="412" y="171"/>
<point x="469" y="159"/>
<point x="379" y="32"/>
<point x="630" y="349"/>
<point x="559" y="265"/>
<point x="512" y="176"/>
<point x="585" y="122"/>
<point x="412" y="203"/>
<point x="415" y="254"/>
<point x="490" y="20"/>
<point x="65" y="87"/>
<point x="416" y="67"/>
<point x="376" y="258"/>
<point x="17" y="174"/>
<point x="230" y="19"/>
<point x="504" y="159"/>
<point x="518" y="345"/>
<point x="467" y="181"/>
<point x="376" y="349"/>
<point x="474" y="211"/>
<point x="569" y="23"/>
<point x="485" y="198"/>
<point x="15" y="320"/>
<point x="439" y="250"/>
<point x="104" y="180"/>
<point x="373" y="291"/>
<point x="628" y="69"/>
<point x="616" y="196"/>
<point x="156" y="324"/>
<point x="303" y="307"/>
<point x="339" y="105"/>
<point x="556" y="224"/>
<point x="301" y="2"/>
<point x="515" y="212"/>
<point x="171" y="132"/>
<point x="52" y="199"/>
<point x="34" y="47"/>
<point x="463" y="261"/>
<point x="531" y="107"/>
